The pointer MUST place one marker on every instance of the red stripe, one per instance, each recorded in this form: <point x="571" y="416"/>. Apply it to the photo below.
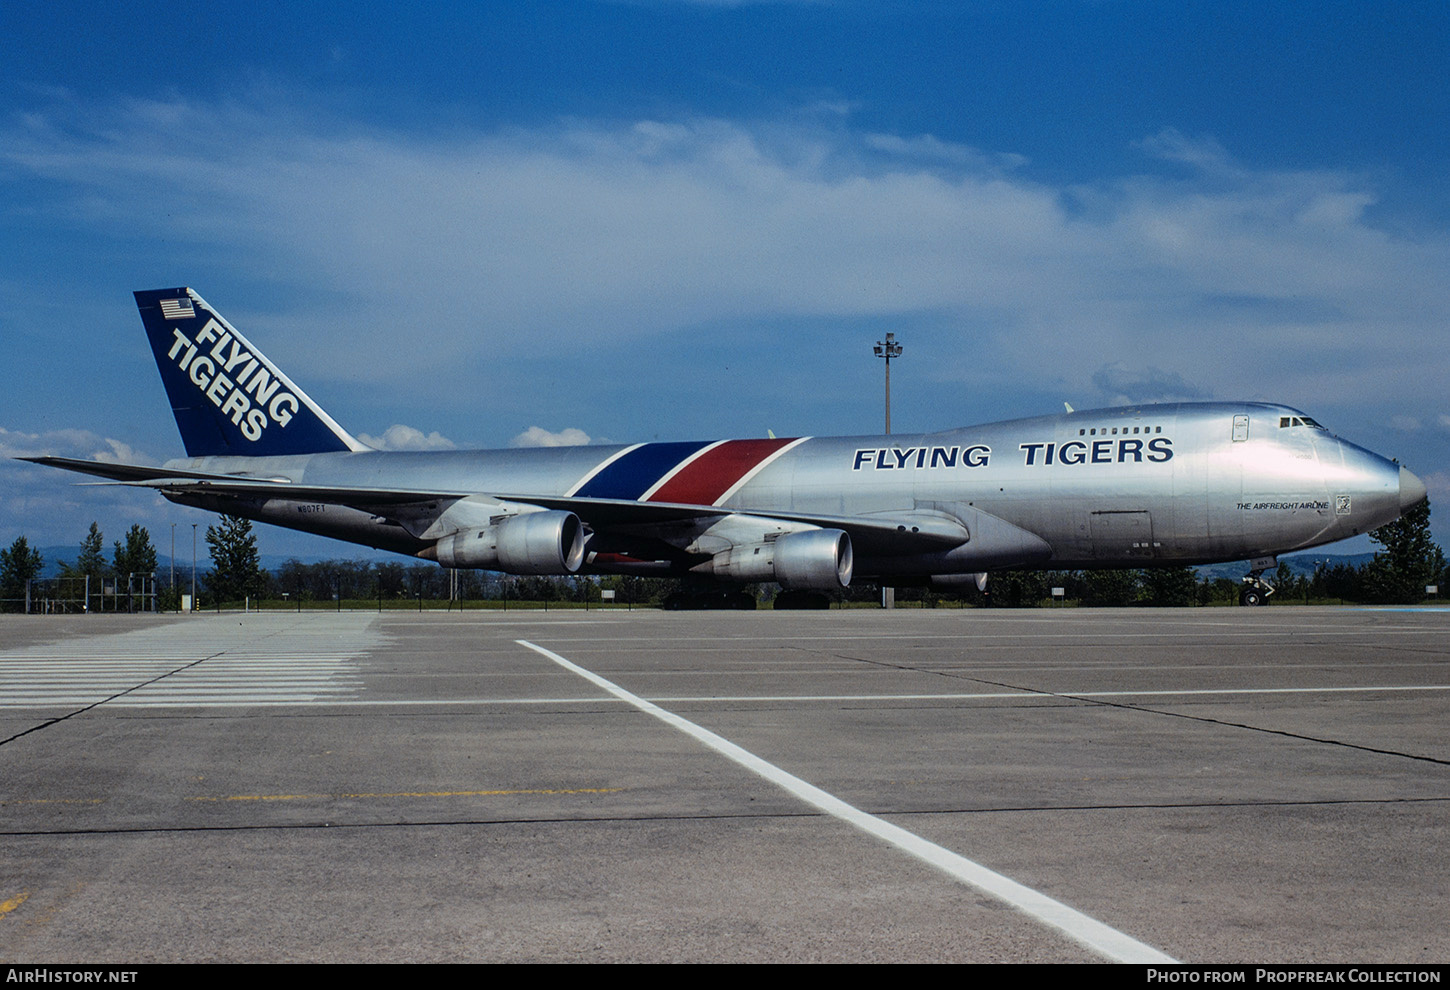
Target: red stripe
<point x="710" y="475"/>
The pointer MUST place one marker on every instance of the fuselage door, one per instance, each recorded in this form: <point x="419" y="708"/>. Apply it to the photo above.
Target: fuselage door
<point x="1241" y="429"/>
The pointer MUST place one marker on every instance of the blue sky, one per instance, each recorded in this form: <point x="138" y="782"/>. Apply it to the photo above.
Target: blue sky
<point x="531" y="222"/>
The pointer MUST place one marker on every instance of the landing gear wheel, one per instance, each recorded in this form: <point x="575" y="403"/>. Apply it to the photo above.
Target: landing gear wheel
<point x="1252" y="596"/>
<point x="703" y="601"/>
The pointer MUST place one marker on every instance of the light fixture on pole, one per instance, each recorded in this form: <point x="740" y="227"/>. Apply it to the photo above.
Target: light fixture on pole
<point x="888" y="349"/>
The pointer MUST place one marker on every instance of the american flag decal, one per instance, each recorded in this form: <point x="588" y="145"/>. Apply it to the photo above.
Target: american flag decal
<point x="177" y="309"/>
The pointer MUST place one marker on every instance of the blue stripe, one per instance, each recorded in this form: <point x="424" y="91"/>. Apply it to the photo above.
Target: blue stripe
<point x="633" y="474"/>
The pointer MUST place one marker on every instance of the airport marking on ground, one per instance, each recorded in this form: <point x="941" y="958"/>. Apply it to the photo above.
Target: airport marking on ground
<point x="408" y="794"/>
<point x="1086" y="931"/>
<point x="266" y="660"/>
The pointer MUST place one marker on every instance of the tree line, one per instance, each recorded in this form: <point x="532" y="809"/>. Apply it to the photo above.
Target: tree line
<point x="1407" y="562"/>
<point x="21" y="564"/>
<point x="130" y="573"/>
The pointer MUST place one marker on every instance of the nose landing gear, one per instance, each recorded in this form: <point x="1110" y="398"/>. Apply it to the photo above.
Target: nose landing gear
<point x="1256" y="589"/>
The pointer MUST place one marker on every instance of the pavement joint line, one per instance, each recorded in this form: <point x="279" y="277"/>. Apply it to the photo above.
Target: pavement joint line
<point x="256" y="701"/>
<point x="1102" y="939"/>
<point x="1103" y="698"/>
<point x="751" y="816"/>
<point x="516" y="792"/>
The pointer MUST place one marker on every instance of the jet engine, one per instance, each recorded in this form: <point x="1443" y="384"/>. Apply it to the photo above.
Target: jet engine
<point x="548" y="542"/>
<point x="816" y="559"/>
<point x="954" y="582"/>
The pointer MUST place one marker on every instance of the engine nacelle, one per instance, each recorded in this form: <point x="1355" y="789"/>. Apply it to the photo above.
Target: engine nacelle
<point x="955" y="582"/>
<point x="548" y="542"/>
<point x="816" y="559"/>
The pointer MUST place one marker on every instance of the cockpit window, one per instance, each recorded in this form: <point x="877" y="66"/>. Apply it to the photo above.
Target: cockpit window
<point x="1287" y="421"/>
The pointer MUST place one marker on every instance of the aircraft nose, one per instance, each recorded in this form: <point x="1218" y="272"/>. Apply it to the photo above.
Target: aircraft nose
<point x="1412" y="491"/>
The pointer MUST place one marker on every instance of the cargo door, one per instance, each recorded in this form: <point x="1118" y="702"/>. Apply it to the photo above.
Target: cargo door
<point x="1122" y="534"/>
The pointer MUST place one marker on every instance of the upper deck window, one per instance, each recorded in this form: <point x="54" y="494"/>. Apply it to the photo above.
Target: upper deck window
<point x="1104" y="430"/>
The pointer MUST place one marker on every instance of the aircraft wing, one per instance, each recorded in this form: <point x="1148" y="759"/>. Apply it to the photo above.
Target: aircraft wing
<point x="889" y="533"/>
<point x="906" y="532"/>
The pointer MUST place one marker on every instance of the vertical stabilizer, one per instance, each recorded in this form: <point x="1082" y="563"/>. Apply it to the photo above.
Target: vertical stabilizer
<point x="227" y="397"/>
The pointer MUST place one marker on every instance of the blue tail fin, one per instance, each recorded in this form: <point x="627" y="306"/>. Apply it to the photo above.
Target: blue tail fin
<point x="226" y="396"/>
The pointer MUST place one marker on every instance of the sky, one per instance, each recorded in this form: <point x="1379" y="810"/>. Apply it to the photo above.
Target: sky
<point x="489" y="224"/>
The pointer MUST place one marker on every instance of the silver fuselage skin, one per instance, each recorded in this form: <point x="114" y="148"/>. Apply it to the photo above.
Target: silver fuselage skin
<point x="1126" y="486"/>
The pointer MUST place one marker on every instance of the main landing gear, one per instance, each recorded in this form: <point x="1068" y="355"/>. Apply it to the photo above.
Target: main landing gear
<point x="683" y="601"/>
<point x="720" y="598"/>
<point x="801" y="600"/>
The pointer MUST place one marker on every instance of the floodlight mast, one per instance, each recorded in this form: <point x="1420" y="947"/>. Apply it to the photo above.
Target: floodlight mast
<point x="888" y="349"/>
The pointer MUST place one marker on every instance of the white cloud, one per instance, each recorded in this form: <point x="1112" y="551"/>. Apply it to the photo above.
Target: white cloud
<point x="537" y="436"/>
<point x="508" y="242"/>
<point x="81" y="444"/>
<point x="51" y="506"/>
<point x="454" y="255"/>
<point x="1437" y="484"/>
<point x="928" y="148"/>
<point x="1125" y="386"/>
<point x="1204" y="154"/>
<point x="400" y="437"/>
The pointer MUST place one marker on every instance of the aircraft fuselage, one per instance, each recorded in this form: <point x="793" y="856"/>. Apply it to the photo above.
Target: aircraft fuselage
<point x="1125" y="486"/>
<point x="1132" y="486"/>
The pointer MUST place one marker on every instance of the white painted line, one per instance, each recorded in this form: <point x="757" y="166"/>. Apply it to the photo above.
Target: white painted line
<point x="43" y="698"/>
<point x="1093" y="934"/>
<point x="1203" y="691"/>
